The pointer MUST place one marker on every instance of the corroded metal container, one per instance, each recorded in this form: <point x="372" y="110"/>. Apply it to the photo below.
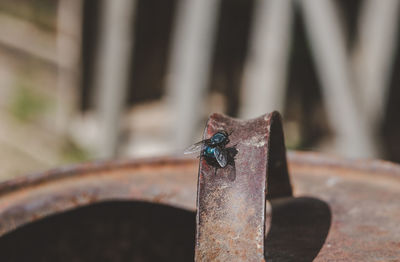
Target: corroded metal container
<point x="145" y="210"/>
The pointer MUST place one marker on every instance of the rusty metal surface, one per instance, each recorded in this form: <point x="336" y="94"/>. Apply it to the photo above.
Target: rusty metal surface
<point x="231" y="201"/>
<point x="343" y="210"/>
<point x="165" y="180"/>
<point x="363" y="198"/>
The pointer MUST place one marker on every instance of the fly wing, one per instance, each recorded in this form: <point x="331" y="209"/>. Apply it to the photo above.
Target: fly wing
<point x="221" y="156"/>
<point x="194" y="148"/>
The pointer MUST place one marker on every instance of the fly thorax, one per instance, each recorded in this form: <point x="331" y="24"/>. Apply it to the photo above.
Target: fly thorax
<point x="209" y="151"/>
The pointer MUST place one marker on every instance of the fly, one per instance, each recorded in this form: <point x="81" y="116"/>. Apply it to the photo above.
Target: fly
<point x="214" y="150"/>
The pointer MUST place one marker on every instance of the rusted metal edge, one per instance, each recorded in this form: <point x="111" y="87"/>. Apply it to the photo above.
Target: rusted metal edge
<point x="169" y="181"/>
<point x="90" y="167"/>
<point x="295" y="158"/>
<point x="230" y="222"/>
<point x="371" y="166"/>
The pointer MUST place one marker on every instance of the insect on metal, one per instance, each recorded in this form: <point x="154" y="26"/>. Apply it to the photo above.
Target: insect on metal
<point x="214" y="150"/>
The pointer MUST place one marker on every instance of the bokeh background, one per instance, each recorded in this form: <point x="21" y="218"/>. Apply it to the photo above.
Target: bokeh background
<point x="87" y="79"/>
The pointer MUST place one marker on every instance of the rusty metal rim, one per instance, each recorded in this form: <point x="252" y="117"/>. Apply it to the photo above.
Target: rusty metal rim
<point x="295" y="158"/>
<point x="162" y="180"/>
<point x="23" y="200"/>
<point x="90" y="167"/>
<point x="28" y="191"/>
<point x="372" y="166"/>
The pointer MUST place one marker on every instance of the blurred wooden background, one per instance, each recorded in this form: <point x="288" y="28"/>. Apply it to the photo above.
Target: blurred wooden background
<point x="86" y="79"/>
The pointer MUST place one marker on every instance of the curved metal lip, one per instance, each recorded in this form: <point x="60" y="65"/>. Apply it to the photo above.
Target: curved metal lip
<point x="81" y="169"/>
<point x="325" y="160"/>
<point x="172" y="181"/>
<point x="295" y="159"/>
<point x="164" y="180"/>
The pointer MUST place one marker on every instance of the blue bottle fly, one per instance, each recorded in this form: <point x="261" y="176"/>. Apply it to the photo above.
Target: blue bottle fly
<point x="214" y="150"/>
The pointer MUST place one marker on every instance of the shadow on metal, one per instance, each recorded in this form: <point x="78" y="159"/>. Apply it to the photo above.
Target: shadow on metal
<point x="298" y="229"/>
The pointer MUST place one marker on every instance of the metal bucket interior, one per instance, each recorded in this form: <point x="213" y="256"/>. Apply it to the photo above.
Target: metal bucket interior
<point x="109" y="231"/>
